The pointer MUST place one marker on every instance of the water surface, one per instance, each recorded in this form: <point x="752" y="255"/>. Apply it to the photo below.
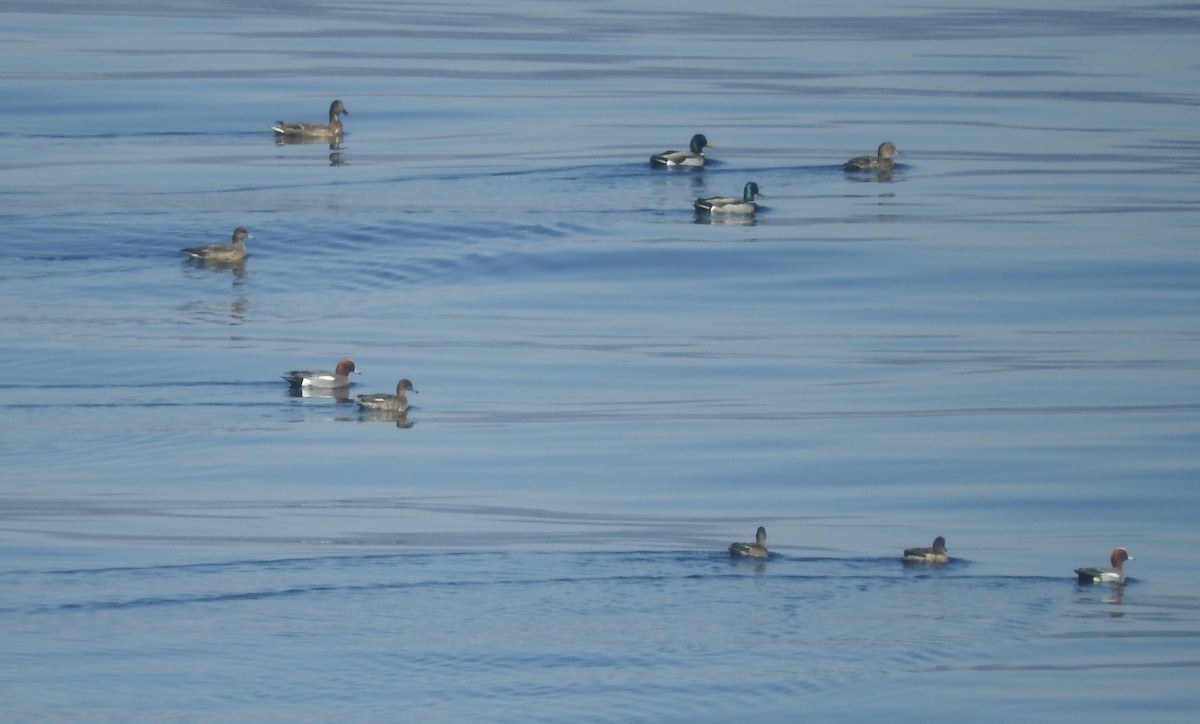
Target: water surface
<point x="997" y="344"/>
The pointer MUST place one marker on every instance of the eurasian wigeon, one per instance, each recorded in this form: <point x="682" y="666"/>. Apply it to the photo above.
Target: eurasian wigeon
<point x="883" y="161"/>
<point x="934" y="554"/>
<point x="222" y="252"/>
<point x="314" y="130"/>
<point x="382" y="401"/>
<point x="757" y="549"/>
<point x="322" y="379"/>
<point x="1104" y="575"/>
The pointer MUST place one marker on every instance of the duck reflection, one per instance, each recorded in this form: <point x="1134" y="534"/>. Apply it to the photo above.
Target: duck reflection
<point x="399" y="417"/>
<point x="237" y="268"/>
<point x="734" y="220"/>
<point x="1116" y="599"/>
<point x="231" y="312"/>
<point x="882" y="176"/>
<point x="335" y="144"/>
<point x="340" y="394"/>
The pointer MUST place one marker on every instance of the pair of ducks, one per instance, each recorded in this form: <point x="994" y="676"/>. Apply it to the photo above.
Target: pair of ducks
<point x="936" y="554"/>
<point x="693" y="158"/>
<point x="758" y="549"/>
<point x="322" y="380"/>
<point x="1116" y="574"/>
<point x="883" y="160"/>
<point x="236" y="252"/>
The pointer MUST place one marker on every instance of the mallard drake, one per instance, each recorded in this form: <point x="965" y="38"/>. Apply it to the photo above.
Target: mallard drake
<point x="692" y="157"/>
<point x="731" y="204"/>
<point x="314" y="130"/>
<point x="934" y="554"/>
<point x="757" y="549"/>
<point x="392" y="403"/>
<point x="222" y="252"/>
<point x="322" y="379"/>
<point x="882" y="161"/>
<point x="1101" y="575"/>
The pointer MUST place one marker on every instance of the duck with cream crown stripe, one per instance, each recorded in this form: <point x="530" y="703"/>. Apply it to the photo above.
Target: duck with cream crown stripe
<point x="322" y="379"/>
<point x="1116" y="574"/>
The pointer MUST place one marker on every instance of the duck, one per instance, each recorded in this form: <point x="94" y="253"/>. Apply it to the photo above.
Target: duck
<point x="1103" y="575"/>
<point x="321" y="379"/>
<point x="757" y="549"/>
<point x="934" y="554"/>
<point x="692" y="157"/>
<point x="222" y="252"/>
<point x="391" y="403"/>
<point x="731" y="204"/>
<point x="881" y="161"/>
<point x="314" y="130"/>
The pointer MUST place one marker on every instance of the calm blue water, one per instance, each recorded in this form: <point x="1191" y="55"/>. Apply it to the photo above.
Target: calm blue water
<point x="998" y="344"/>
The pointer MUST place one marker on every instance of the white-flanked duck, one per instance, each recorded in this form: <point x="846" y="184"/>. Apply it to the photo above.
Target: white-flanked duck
<point x="222" y="252"/>
<point x="314" y="130"/>
<point x="1116" y="574"/>
<point x="731" y="204"/>
<point x="882" y="160"/>
<point x="390" y="403"/>
<point x="934" y="554"/>
<point x="757" y="549"/>
<point x="694" y="156"/>
<point x="321" y="379"/>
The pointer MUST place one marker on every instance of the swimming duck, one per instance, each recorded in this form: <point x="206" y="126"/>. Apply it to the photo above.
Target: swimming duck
<point x="382" y="401"/>
<point x="882" y="161"/>
<point x="731" y="204"/>
<point x="934" y="554"/>
<point x="321" y="378"/>
<point x="692" y="157"/>
<point x="757" y="549"/>
<point x="1102" y="575"/>
<point x="314" y="130"/>
<point x="222" y="252"/>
